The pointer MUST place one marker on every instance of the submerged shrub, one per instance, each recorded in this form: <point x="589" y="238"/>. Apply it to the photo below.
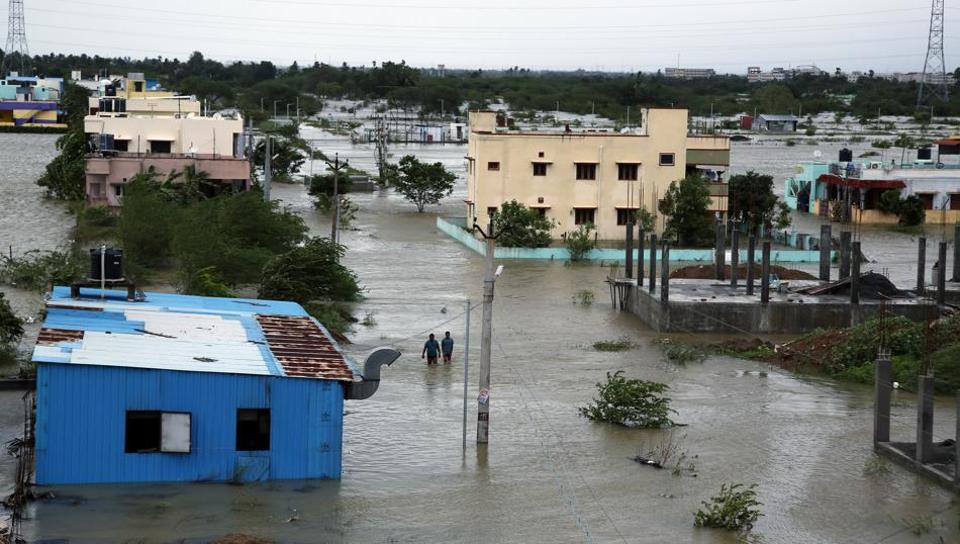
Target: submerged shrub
<point x="630" y="402"/>
<point x="735" y="508"/>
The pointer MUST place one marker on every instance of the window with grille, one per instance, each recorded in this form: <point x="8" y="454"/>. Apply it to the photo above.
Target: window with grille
<point x="586" y="170"/>
<point x="667" y="159"/>
<point x="628" y="171"/>
<point x="582" y="216"/>
<point x="539" y="169"/>
<point x="626" y="215"/>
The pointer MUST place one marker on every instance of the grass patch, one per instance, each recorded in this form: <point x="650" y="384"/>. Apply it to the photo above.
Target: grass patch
<point x="681" y="354"/>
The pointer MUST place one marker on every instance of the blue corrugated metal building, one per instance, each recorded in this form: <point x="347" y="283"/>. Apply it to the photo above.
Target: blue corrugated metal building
<point x="183" y="388"/>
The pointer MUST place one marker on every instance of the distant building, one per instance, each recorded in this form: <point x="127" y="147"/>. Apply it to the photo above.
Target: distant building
<point x="776" y="123"/>
<point x="807" y="70"/>
<point x="30" y="101"/>
<point x="577" y="177"/>
<point x="689" y="73"/>
<point x="134" y="126"/>
<point x="186" y="388"/>
<point x="756" y="75"/>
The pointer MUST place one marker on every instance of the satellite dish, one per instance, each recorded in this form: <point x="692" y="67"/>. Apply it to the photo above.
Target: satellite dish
<point x="817" y="154"/>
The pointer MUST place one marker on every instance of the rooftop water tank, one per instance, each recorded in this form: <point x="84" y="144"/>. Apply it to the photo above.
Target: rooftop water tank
<point x="846" y="155"/>
<point x="110" y="261"/>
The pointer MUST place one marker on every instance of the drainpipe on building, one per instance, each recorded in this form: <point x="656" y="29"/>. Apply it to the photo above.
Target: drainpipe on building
<point x="371" y="374"/>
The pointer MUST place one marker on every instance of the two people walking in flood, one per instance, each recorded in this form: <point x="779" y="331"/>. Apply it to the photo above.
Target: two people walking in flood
<point x="432" y="349"/>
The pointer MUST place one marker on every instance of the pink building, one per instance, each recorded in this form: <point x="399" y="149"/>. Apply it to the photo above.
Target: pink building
<point x="106" y="175"/>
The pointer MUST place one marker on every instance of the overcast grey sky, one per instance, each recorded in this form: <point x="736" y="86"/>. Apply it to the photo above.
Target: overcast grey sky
<point x="728" y="35"/>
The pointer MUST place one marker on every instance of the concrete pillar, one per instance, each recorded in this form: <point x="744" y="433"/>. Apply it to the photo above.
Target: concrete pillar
<point x="882" y="390"/>
<point x="735" y="257"/>
<point x="653" y="262"/>
<point x="924" y="418"/>
<point x="845" y="238"/>
<point x="751" y="258"/>
<point x="720" y="244"/>
<point x="665" y="273"/>
<point x="921" y="265"/>
<point x="628" y="265"/>
<point x="956" y="253"/>
<point x="765" y="274"/>
<point x="855" y="277"/>
<point x="956" y="453"/>
<point x="826" y="244"/>
<point x="640" y="236"/>
<point x="942" y="274"/>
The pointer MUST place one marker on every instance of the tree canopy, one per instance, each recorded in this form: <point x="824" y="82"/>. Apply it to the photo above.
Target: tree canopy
<point x="423" y="183"/>
<point x="686" y="204"/>
<point x="520" y="226"/>
<point x="752" y="201"/>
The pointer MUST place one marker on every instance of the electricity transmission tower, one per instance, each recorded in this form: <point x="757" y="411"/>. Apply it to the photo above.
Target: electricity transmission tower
<point x="934" y="79"/>
<point x="16" y="39"/>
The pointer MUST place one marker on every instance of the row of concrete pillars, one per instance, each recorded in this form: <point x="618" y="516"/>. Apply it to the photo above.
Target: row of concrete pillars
<point x="850" y="262"/>
<point x="883" y="391"/>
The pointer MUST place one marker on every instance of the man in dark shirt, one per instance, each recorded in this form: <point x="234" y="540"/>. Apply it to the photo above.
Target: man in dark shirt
<point x="431" y="349"/>
<point x="446" y="347"/>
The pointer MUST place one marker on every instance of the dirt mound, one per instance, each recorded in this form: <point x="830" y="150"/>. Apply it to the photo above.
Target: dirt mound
<point x="811" y="349"/>
<point x="706" y="272"/>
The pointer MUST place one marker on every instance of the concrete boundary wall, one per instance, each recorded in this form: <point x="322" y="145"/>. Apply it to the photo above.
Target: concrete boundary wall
<point x="454" y="228"/>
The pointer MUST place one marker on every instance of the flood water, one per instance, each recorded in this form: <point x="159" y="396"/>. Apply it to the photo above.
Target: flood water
<point x="548" y="475"/>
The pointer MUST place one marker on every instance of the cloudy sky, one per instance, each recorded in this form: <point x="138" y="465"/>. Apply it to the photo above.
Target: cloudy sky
<point x="615" y="35"/>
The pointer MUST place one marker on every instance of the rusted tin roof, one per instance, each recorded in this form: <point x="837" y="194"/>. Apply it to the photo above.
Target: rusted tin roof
<point x="302" y="348"/>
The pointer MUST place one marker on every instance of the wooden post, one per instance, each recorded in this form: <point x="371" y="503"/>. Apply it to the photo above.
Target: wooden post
<point x="956" y="253"/>
<point x="628" y="266"/>
<point x="640" y="236"/>
<point x="751" y="257"/>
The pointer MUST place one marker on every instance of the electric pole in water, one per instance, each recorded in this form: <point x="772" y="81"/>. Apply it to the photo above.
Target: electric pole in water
<point x="336" y="166"/>
<point x="486" y="335"/>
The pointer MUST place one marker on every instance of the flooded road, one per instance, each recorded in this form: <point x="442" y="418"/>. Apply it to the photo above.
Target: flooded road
<point x="548" y="475"/>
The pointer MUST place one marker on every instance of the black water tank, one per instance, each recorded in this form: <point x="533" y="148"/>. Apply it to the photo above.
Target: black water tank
<point x="924" y="154"/>
<point x="846" y="155"/>
<point x="112" y="265"/>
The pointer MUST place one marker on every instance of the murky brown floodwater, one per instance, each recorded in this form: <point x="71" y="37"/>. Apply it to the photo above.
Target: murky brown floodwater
<point x="548" y="475"/>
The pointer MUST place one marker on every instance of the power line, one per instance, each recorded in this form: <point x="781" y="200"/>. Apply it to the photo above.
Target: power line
<point x="499" y="30"/>
<point x="631" y="6"/>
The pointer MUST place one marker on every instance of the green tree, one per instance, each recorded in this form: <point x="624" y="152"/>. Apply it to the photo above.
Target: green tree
<point x="890" y="201"/>
<point x="310" y="273"/>
<point x="285" y="158"/>
<point x="752" y="199"/>
<point x="65" y="177"/>
<point x="11" y="326"/>
<point x="686" y="204"/>
<point x="580" y="242"/>
<point x="775" y="98"/>
<point x="423" y="183"/>
<point x="519" y="226"/>
<point x="911" y="211"/>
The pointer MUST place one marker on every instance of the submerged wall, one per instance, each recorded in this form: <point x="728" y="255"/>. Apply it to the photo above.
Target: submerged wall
<point x="454" y="227"/>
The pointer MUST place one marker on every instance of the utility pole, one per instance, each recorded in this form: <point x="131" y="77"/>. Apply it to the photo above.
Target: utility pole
<point x="486" y="335"/>
<point x="466" y="374"/>
<point x="336" y="166"/>
<point x="267" y="168"/>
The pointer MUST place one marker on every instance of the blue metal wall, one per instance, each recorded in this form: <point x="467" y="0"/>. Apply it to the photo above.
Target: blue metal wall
<point x="81" y="413"/>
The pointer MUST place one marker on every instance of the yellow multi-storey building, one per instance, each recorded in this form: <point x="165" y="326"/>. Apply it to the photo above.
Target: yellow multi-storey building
<point x="588" y="176"/>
